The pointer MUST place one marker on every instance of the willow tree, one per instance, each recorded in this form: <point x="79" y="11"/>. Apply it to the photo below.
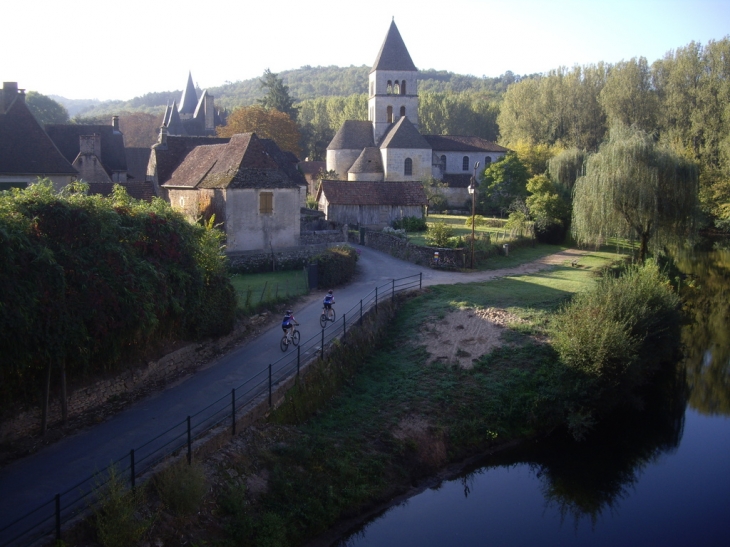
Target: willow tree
<point x="634" y="188"/>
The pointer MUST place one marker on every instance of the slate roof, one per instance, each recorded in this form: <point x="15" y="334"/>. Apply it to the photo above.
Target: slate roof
<point x="66" y="138"/>
<point x="171" y="155"/>
<point x="189" y="99"/>
<point x="462" y="143"/>
<point x="312" y="167"/>
<point x="404" y="135"/>
<point x="137" y="161"/>
<point x="457" y="181"/>
<point x="174" y="123"/>
<point x="25" y="149"/>
<point x="370" y="161"/>
<point x="373" y="193"/>
<point x="393" y="54"/>
<point x="287" y="161"/>
<point x="243" y="162"/>
<point x="353" y="135"/>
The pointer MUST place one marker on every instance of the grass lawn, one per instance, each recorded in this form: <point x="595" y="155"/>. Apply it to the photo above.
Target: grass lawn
<point x="256" y="290"/>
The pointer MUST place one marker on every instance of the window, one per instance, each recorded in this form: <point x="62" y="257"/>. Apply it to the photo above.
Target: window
<point x="390" y="114"/>
<point x="403" y="87"/>
<point x="266" y="203"/>
<point x="396" y="88"/>
<point x="389" y="88"/>
<point x="443" y="163"/>
<point x="465" y="163"/>
<point x="402" y="111"/>
<point x="487" y="161"/>
<point x="408" y="167"/>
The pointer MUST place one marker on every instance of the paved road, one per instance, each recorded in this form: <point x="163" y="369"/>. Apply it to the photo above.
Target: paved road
<point x="29" y="482"/>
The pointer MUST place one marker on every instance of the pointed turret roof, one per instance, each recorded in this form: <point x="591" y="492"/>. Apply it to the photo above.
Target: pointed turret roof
<point x="174" y="124"/>
<point x="189" y="99"/>
<point x="393" y="54"/>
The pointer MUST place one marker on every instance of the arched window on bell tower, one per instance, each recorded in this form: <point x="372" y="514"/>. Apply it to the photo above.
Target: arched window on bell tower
<point x="403" y="87"/>
<point x="390" y="114"/>
<point x="396" y="88"/>
<point x="389" y="88"/>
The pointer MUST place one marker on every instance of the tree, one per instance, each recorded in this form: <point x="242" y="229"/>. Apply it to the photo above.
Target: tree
<point x="434" y="190"/>
<point x="634" y="188"/>
<point x="547" y="209"/>
<point x="565" y="168"/>
<point x="628" y="97"/>
<point x="45" y="109"/>
<point x="267" y="124"/>
<point x="277" y="95"/>
<point x="504" y="181"/>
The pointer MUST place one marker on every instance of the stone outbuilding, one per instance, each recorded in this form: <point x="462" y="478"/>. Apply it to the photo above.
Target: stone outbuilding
<point x="26" y="151"/>
<point x="371" y="203"/>
<point x="248" y="183"/>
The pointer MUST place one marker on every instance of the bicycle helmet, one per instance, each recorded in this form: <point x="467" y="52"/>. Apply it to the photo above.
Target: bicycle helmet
<point x="329" y="292"/>
<point x="288" y="311"/>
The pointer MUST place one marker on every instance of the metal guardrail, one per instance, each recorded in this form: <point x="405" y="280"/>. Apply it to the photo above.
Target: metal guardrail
<point x="48" y="518"/>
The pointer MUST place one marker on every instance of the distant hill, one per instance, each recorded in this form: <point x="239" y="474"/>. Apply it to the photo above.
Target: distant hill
<point x="304" y="83"/>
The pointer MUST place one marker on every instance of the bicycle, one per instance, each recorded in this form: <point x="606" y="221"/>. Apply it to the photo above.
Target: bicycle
<point x="327" y="315"/>
<point x="293" y="339"/>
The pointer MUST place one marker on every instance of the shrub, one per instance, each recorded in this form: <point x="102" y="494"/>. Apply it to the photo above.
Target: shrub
<point x="411" y="224"/>
<point x="477" y="220"/>
<point x="116" y="512"/>
<point x="613" y="338"/>
<point x="182" y="487"/>
<point x="398" y="232"/>
<point x="335" y="266"/>
<point x="438" y="234"/>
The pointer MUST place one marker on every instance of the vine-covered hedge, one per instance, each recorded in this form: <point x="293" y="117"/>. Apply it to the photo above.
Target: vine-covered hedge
<point x="335" y="266"/>
<point x="89" y="281"/>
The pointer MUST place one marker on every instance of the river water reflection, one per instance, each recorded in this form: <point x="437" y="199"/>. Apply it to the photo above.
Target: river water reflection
<point x="661" y="479"/>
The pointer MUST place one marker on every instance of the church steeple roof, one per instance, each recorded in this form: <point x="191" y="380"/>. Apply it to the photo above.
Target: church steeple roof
<point x="189" y="99"/>
<point x="393" y="54"/>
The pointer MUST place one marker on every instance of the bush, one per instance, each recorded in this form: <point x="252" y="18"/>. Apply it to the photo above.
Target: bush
<point x="477" y="220"/>
<point x="438" y="234"/>
<point x="398" y="232"/>
<point x="335" y="266"/>
<point x="182" y="487"/>
<point x="613" y="338"/>
<point x="410" y="224"/>
<point x="116" y="512"/>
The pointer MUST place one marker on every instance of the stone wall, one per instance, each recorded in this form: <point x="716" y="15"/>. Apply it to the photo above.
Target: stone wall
<point x="290" y="258"/>
<point x="400" y="248"/>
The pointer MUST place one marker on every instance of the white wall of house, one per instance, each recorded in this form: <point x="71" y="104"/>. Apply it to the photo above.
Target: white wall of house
<point x="455" y="161"/>
<point x="247" y="228"/>
<point x="394" y="163"/>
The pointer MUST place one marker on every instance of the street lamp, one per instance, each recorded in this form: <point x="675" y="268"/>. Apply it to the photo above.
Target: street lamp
<point x="473" y="192"/>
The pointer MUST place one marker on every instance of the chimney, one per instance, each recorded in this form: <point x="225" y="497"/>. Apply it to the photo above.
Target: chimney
<point x="90" y="145"/>
<point x="10" y="91"/>
<point x="163" y="136"/>
<point x="115" y="123"/>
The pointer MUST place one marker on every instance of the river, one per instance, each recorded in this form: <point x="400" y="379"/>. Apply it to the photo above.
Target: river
<point x="660" y="478"/>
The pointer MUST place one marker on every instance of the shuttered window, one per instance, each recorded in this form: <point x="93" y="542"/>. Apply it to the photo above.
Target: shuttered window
<point x="266" y="203"/>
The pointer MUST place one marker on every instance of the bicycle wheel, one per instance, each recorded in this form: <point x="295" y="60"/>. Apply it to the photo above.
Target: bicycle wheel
<point x="284" y="343"/>
<point x="295" y="338"/>
<point x="332" y="315"/>
<point x="323" y="320"/>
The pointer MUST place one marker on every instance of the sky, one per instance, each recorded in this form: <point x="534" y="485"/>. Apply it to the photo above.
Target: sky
<point x="111" y="49"/>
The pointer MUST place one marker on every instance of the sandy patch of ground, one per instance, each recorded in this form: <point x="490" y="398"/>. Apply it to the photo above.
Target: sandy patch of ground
<point x="465" y="335"/>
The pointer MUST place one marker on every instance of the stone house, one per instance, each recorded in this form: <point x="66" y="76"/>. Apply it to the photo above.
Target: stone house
<point x="248" y="183"/>
<point x="392" y="132"/>
<point x="370" y="203"/>
<point x="26" y="151"/>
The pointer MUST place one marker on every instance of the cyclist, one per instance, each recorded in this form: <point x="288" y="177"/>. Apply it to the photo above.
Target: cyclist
<point x="329" y="299"/>
<point x="288" y="324"/>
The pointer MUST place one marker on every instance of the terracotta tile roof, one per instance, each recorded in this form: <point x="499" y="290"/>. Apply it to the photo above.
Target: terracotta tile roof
<point x="353" y="135"/>
<point x="393" y="54"/>
<point x="373" y="193"/>
<point x="243" y="162"/>
<point x="287" y="161"/>
<point x="66" y="138"/>
<point x="25" y="149"/>
<point x="404" y="135"/>
<point x="462" y="143"/>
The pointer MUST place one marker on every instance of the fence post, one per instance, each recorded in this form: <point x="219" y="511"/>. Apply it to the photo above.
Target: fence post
<point x="361" y="312"/>
<point x="131" y="466"/>
<point x="299" y="356"/>
<point x="420" y="280"/>
<point x="392" y="295"/>
<point x="321" y="354"/>
<point x="190" y="444"/>
<point x="344" y="327"/>
<point x="233" y="411"/>
<point x="269" y="385"/>
<point x="58" y="517"/>
<point x="376" y="300"/>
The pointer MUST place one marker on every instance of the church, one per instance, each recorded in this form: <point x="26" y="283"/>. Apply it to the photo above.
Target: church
<point x="389" y="147"/>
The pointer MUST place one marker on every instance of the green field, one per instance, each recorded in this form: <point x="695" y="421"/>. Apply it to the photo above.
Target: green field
<point x="254" y="291"/>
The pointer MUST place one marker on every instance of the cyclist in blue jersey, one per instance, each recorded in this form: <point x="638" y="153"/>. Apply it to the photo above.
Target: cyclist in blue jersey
<point x="288" y="323"/>
<point x="329" y="299"/>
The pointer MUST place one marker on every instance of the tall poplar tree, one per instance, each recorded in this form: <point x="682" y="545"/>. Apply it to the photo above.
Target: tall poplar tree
<point x="635" y="189"/>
